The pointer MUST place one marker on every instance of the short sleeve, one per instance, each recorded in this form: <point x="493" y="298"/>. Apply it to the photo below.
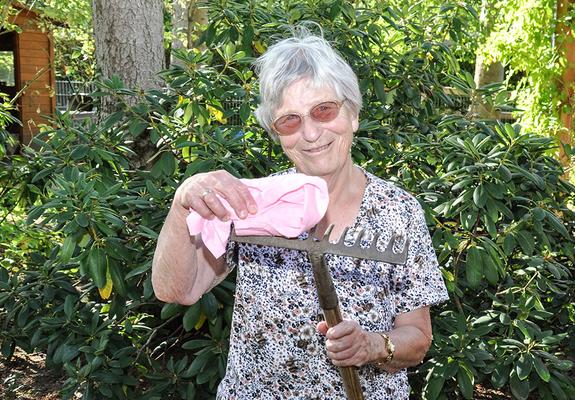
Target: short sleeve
<point x="419" y="282"/>
<point x="231" y="261"/>
<point x="231" y="255"/>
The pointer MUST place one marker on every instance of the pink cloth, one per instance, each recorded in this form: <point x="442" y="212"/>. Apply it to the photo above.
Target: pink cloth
<point x="287" y="206"/>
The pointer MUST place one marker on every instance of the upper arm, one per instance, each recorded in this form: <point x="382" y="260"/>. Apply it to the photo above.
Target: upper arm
<point x="419" y="283"/>
<point x="183" y="269"/>
<point x="418" y="318"/>
<point x="209" y="272"/>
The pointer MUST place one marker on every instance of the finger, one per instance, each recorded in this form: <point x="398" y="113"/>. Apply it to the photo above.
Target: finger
<point x="353" y="356"/>
<point x="349" y="362"/>
<point x="199" y="192"/>
<point x="249" y="199"/>
<point x="239" y="198"/>
<point x="344" y="328"/>
<point x="213" y="205"/>
<point x="347" y="354"/>
<point x="183" y="197"/>
<point x="337" y="346"/>
<point x="322" y="327"/>
<point x="193" y="201"/>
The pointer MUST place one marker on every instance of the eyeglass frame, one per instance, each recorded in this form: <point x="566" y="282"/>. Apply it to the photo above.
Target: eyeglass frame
<point x="339" y="104"/>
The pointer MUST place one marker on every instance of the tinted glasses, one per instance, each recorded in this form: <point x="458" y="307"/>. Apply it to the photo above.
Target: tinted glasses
<point x="323" y="112"/>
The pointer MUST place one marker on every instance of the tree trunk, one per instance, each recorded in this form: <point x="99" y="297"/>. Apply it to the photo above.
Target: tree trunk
<point x="179" y="27"/>
<point x="189" y="16"/>
<point x="485" y="73"/>
<point x="129" y="37"/>
<point x="197" y="17"/>
<point x="566" y="47"/>
<point x="129" y="42"/>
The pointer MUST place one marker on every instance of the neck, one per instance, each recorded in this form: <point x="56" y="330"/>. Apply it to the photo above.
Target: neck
<point x="345" y="194"/>
<point x="343" y="184"/>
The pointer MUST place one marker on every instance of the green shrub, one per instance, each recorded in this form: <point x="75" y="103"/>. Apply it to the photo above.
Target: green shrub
<point x="494" y="198"/>
<point x="504" y="235"/>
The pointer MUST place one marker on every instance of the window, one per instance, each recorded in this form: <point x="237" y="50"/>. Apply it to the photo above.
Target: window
<point x="7" y="73"/>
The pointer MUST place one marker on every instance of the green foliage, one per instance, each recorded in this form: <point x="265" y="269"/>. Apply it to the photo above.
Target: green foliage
<point x="7" y="141"/>
<point x="524" y="37"/>
<point x="7" y="14"/>
<point x="499" y="212"/>
<point x="73" y="40"/>
<point x="505" y="236"/>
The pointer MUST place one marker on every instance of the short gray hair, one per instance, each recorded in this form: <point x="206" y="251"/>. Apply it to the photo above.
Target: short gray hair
<point x="302" y="56"/>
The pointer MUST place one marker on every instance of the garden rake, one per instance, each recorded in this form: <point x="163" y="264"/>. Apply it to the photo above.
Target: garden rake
<point x="316" y="250"/>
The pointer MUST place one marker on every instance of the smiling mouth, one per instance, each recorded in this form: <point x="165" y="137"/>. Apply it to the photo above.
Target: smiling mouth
<point x="318" y="149"/>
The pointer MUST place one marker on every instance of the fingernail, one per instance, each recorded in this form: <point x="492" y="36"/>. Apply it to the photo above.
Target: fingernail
<point x="243" y="214"/>
<point x="253" y="209"/>
<point x="226" y="218"/>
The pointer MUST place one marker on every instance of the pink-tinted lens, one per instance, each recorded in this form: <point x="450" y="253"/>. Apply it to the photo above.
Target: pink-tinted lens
<point x="322" y="112"/>
<point x="287" y="124"/>
<point x="325" y="112"/>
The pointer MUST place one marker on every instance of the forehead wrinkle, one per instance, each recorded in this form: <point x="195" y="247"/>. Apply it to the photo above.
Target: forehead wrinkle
<point x="311" y="87"/>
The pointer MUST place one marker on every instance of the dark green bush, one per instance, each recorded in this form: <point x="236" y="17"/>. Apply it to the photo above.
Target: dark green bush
<point x="495" y="201"/>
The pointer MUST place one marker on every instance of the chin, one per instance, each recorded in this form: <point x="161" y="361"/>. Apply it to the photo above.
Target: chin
<point x="321" y="171"/>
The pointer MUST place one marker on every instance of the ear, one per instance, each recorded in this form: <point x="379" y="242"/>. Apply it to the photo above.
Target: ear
<point x="355" y="123"/>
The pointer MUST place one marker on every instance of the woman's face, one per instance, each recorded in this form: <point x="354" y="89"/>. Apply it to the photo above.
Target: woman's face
<point x="317" y="148"/>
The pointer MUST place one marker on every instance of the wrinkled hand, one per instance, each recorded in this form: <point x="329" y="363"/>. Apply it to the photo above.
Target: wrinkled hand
<point x="347" y="343"/>
<point x="199" y="192"/>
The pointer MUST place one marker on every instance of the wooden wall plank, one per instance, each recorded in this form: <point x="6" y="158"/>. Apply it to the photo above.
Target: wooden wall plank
<point x="35" y="96"/>
<point x="38" y="86"/>
<point x="35" y="61"/>
<point x="40" y="37"/>
<point x="33" y="115"/>
<point x="31" y="75"/>
<point x="29" y="110"/>
<point x="35" y="53"/>
<point x="32" y="70"/>
<point x="32" y="45"/>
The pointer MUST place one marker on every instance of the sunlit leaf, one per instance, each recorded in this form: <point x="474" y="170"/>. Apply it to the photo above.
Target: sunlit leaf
<point x="106" y="291"/>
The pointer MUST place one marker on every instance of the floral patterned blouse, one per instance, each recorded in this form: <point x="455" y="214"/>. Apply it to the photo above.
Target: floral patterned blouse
<point x="275" y="351"/>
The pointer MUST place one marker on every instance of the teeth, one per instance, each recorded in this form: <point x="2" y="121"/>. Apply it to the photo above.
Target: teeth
<point x="318" y="149"/>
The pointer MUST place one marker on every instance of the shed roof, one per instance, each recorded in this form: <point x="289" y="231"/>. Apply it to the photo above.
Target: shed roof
<point x="35" y="13"/>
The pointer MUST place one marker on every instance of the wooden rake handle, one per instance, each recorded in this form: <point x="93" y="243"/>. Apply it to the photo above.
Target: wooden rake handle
<point x="330" y="305"/>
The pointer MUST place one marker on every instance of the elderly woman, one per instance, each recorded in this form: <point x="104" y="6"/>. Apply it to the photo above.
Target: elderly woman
<point x="280" y="347"/>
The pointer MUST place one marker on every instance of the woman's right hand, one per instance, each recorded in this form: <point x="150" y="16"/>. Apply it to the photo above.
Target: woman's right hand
<point x="200" y="192"/>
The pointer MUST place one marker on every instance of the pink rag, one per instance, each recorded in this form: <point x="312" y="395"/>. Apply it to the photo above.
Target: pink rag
<point x="287" y="206"/>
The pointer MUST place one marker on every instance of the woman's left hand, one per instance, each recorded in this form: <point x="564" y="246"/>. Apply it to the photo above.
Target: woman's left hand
<point x="348" y="344"/>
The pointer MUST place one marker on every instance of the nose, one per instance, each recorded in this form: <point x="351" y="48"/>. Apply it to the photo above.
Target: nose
<point x="311" y="130"/>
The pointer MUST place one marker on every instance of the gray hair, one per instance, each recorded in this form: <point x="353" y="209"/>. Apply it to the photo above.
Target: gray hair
<point x="302" y="56"/>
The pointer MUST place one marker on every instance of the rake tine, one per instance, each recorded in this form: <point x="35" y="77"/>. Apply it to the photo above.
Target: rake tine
<point x="314" y="245"/>
<point x="391" y="243"/>
<point x="357" y="239"/>
<point x="394" y="240"/>
<point x="327" y="232"/>
<point x="341" y="239"/>
<point x="374" y="241"/>
<point x="364" y="236"/>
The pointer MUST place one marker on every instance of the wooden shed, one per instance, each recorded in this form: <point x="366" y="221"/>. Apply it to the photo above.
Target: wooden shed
<point x="31" y="53"/>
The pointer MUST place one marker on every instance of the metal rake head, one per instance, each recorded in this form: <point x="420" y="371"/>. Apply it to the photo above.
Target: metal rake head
<point x="323" y="246"/>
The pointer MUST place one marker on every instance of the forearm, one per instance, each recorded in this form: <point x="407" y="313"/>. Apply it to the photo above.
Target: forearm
<point x="349" y="344"/>
<point x="411" y="345"/>
<point x="182" y="269"/>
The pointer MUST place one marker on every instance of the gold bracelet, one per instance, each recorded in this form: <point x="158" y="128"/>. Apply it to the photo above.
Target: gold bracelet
<point x="389" y="348"/>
